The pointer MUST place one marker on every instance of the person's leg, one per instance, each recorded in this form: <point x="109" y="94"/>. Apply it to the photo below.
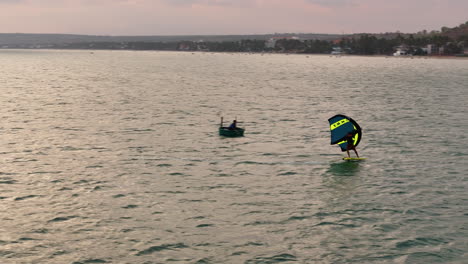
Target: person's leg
<point x="355" y="151"/>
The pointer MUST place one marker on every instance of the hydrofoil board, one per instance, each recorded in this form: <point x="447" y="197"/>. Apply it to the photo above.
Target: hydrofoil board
<point x="353" y="159"/>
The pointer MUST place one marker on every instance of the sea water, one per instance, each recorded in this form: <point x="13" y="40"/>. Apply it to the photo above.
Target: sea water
<point x="114" y="157"/>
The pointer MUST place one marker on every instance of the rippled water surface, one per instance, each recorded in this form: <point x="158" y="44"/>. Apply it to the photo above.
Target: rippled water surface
<point x="114" y="157"/>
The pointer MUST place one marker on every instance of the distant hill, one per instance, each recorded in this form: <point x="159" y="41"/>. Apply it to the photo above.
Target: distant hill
<point x="45" y="39"/>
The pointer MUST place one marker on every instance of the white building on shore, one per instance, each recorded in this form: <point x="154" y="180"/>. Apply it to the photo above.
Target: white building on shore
<point x="432" y="49"/>
<point x="271" y="43"/>
<point x="401" y="51"/>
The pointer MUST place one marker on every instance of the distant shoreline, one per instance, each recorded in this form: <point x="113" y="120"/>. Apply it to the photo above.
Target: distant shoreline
<point x="255" y="53"/>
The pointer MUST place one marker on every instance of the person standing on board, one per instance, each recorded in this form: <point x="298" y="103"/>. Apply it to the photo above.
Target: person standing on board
<point x="233" y="126"/>
<point x="349" y="139"/>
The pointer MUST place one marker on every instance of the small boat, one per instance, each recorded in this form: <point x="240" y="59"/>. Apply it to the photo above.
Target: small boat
<point x="229" y="132"/>
<point x="225" y="131"/>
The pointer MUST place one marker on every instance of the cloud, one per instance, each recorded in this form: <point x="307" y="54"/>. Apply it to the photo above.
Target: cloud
<point x="11" y="1"/>
<point x="334" y="3"/>
<point x="226" y="3"/>
<point x="182" y="2"/>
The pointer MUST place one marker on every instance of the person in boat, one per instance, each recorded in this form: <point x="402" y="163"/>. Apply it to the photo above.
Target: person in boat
<point x="349" y="139"/>
<point x="233" y="126"/>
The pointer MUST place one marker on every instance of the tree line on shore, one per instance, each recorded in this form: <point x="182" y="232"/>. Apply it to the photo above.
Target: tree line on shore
<point x="453" y="41"/>
<point x="365" y="44"/>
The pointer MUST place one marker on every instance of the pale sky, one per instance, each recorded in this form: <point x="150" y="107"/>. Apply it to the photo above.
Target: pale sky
<point x="222" y="17"/>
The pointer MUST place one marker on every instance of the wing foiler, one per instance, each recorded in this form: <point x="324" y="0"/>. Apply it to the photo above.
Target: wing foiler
<point x="340" y="126"/>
